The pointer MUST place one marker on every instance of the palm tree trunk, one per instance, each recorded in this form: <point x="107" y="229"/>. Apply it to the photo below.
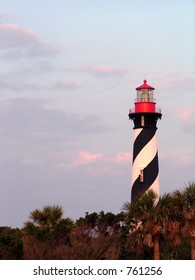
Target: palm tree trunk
<point x="193" y="248"/>
<point x="156" y="248"/>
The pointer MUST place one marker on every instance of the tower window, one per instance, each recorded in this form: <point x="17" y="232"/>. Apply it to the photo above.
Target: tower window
<point x="142" y="120"/>
<point x="141" y="175"/>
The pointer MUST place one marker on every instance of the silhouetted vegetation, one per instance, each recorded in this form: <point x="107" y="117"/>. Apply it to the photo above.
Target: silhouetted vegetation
<point x="145" y="229"/>
<point x="11" y="245"/>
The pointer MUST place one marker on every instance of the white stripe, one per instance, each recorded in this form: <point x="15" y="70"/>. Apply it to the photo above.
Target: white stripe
<point x="145" y="156"/>
<point x="137" y="132"/>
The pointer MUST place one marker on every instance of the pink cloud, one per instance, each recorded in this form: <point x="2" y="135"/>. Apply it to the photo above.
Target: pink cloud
<point x="20" y="42"/>
<point x="68" y="85"/>
<point x="96" y="161"/>
<point x="16" y="36"/>
<point x="122" y="157"/>
<point x="103" y="70"/>
<point x="95" y="164"/>
<point x="85" y="157"/>
<point x="186" y="115"/>
<point x="180" y="157"/>
<point x="106" y="70"/>
<point x="4" y="16"/>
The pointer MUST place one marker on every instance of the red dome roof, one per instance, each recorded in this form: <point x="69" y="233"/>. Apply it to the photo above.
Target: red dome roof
<point x="144" y="86"/>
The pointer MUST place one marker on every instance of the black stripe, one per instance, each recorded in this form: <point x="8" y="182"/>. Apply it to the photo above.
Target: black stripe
<point x="142" y="139"/>
<point x="150" y="175"/>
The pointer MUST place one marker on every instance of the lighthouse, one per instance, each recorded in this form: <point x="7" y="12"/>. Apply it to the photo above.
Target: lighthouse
<point x="145" y="167"/>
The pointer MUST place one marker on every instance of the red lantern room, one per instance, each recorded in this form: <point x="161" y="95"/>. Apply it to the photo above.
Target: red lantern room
<point x="145" y="102"/>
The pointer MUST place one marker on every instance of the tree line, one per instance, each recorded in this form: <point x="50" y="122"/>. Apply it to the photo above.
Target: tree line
<point x="148" y="228"/>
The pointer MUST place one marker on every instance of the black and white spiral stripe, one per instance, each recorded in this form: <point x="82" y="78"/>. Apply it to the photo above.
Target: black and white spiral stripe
<point x="145" y="157"/>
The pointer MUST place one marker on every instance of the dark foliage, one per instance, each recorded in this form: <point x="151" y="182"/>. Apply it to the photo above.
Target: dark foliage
<point x="11" y="245"/>
<point x="106" y="236"/>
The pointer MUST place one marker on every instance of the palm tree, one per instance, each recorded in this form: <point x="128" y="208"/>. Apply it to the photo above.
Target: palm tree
<point x="184" y="205"/>
<point x="150" y="220"/>
<point x="48" y="217"/>
<point x="46" y="231"/>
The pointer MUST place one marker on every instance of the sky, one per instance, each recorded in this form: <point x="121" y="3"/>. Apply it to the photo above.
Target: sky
<point x="68" y="73"/>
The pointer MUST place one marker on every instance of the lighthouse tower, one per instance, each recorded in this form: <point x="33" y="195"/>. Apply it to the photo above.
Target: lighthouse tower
<point x="145" y="172"/>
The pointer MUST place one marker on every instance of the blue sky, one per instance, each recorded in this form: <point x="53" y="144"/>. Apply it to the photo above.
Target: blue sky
<point x="69" y="70"/>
